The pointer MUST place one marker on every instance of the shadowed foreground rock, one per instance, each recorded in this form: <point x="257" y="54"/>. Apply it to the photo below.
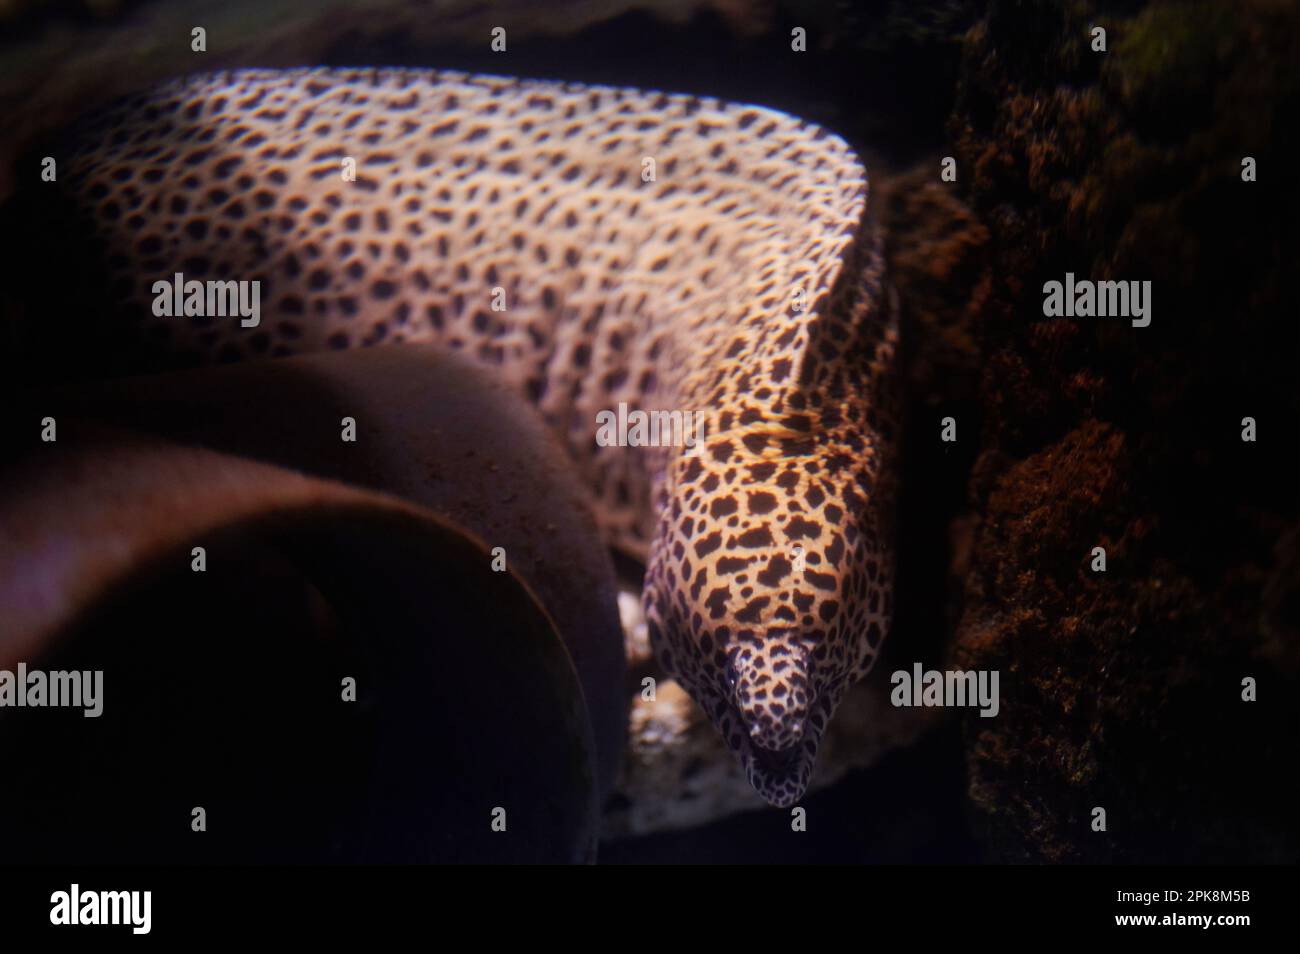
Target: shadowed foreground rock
<point x="224" y="690"/>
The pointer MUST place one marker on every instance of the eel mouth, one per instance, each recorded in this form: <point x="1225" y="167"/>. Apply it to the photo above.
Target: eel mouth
<point x="776" y="761"/>
<point x="779" y="775"/>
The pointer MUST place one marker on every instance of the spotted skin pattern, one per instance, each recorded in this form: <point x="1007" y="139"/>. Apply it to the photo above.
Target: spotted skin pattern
<point x="594" y="246"/>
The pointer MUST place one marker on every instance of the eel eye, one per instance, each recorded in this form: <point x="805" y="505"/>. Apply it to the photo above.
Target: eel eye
<point x="733" y="676"/>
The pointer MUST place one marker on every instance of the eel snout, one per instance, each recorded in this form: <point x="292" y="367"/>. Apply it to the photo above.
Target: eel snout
<point x="772" y="699"/>
<point x="771" y="693"/>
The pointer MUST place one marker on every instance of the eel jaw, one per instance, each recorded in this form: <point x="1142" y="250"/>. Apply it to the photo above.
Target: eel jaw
<point x="781" y="777"/>
<point x="772" y="698"/>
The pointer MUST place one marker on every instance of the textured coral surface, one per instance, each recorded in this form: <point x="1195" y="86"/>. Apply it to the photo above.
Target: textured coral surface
<point x="1123" y="689"/>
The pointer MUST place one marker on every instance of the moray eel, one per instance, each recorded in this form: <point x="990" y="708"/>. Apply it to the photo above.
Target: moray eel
<point x="595" y="246"/>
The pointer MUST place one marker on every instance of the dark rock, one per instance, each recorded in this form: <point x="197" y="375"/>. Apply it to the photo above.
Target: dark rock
<point x="1123" y="689"/>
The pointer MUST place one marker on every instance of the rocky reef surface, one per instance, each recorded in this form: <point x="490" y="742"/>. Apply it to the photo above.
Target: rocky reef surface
<point x="1123" y="689"/>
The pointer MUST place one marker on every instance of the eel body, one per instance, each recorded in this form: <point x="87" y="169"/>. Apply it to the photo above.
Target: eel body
<point x="597" y="247"/>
